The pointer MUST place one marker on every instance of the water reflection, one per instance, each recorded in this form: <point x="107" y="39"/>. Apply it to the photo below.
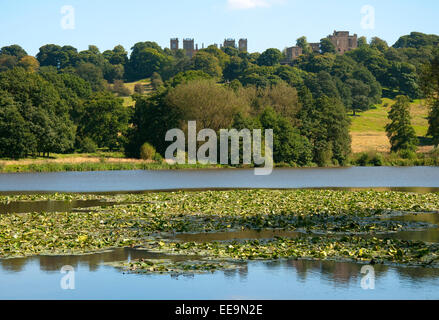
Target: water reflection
<point x="338" y="272"/>
<point x="92" y="261"/>
<point x="50" y="206"/>
<point x="39" y="278"/>
<point x="235" y="235"/>
<point x="430" y="235"/>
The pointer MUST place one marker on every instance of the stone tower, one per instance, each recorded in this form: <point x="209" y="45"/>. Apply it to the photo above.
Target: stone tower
<point x="174" y="44"/>
<point x="230" y="43"/>
<point x="243" y="45"/>
<point x="189" y="47"/>
<point x="343" y="42"/>
<point x="315" y="47"/>
<point x="293" y="53"/>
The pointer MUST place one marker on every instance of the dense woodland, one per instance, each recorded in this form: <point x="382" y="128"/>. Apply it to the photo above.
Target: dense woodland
<point x="64" y="101"/>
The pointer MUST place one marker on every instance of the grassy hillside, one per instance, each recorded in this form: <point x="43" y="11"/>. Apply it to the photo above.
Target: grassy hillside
<point x="146" y="83"/>
<point x="368" y="128"/>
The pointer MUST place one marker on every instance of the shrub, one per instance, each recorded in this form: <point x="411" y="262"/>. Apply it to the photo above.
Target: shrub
<point x="147" y="151"/>
<point x="362" y="160"/>
<point x="139" y="88"/>
<point x="377" y="160"/>
<point x="120" y="88"/>
<point x="323" y="153"/>
<point x="87" y="145"/>
<point x="157" y="157"/>
<point x="407" y="154"/>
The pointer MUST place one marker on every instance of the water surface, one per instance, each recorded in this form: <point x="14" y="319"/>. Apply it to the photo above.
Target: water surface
<point x="40" y="277"/>
<point x="108" y="181"/>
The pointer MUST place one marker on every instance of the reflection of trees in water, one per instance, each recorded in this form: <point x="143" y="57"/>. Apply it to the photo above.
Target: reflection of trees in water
<point x="54" y="263"/>
<point x="340" y="272"/>
<point x="93" y="261"/>
<point x="243" y="272"/>
<point x="418" y="273"/>
<point x="230" y="273"/>
<point x="49" y="205"/>
<point x="16" y="264"/>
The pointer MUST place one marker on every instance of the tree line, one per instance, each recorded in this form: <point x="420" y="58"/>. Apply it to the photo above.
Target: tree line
<point x="63" y="100"/>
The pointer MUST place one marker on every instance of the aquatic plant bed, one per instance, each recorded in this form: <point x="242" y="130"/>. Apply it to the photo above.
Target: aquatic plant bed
<point x="167" y="266"/>
<point x="336" y="225"/>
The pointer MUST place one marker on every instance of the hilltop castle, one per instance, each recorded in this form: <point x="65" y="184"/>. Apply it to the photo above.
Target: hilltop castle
<point x="191" y="48"/>
<point x="342" y="41"/>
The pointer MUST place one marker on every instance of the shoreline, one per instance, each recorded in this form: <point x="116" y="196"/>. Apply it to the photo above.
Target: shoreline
<point x="40" y="166"/>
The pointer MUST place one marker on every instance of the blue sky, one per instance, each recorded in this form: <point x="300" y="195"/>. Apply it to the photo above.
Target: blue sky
<point x="266" y="23"/>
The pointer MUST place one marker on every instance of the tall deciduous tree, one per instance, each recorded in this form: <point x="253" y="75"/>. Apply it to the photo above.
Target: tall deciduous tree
<point x="302" y="42"/>
<point x="326" y="46"/>
<point x="401" y="134"/>
<point x="104" y="120"/>
<point x="430" y="87"/>
<point x="270" y="57"/>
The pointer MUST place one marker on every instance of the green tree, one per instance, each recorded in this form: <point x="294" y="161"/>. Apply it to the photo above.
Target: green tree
<point x="104" y="120"/>
<point x="207" y="63"/>
<point x="57" y="56"/>
<point x="379" y="44"/>
<point x="416" y="40"/>
<point x="270" y="57"/>
<point x="302" y="42"/>
<point x="91" y="73"/>
<point x="400" y="131"/>
<point x="288" y="145"/>
<point x="7" y="62"/>
<point x="41" y="106"/>
<point x="326" y="46"/>
<point x="14" y="50"/>
<point x="29" y="63"/>
<point x="430" y="87"/>
<point x="234" y="68"/>
<point x="362" y="42"/>
<point x="16" y="140"/>
<point x="156" y="81"/>
<point x="184" y="77"/>
<point x="146" y="58"/>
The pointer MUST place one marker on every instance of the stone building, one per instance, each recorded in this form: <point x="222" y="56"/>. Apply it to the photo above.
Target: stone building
<point x="242" y="45"/>
<point x="189" y="47"/>
<point x="343" y="42"/>
<point x="174" y="44"/>
<point x="315" y="47"/>
<point x="229" y="43"/>
<point x="293" y="53"/>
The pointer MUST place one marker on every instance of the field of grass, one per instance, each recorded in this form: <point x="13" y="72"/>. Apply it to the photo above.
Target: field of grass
<point x="99" y="161"/>
<point x="146" y="83"/>
<point x="368" y="128"/>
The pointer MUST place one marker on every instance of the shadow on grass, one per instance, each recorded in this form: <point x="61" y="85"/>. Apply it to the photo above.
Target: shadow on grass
<point x="425" y="141"/>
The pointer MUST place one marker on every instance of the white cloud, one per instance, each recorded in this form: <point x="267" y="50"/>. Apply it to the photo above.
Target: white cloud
<point x="250" y="4"/>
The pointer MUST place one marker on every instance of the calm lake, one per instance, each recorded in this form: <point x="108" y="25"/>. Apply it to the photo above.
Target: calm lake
<point x="113" y="181"/>
<point x="40" y="277"/>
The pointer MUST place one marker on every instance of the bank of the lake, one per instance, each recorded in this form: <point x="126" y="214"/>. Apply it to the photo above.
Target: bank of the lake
<point x="114" y="161"/>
